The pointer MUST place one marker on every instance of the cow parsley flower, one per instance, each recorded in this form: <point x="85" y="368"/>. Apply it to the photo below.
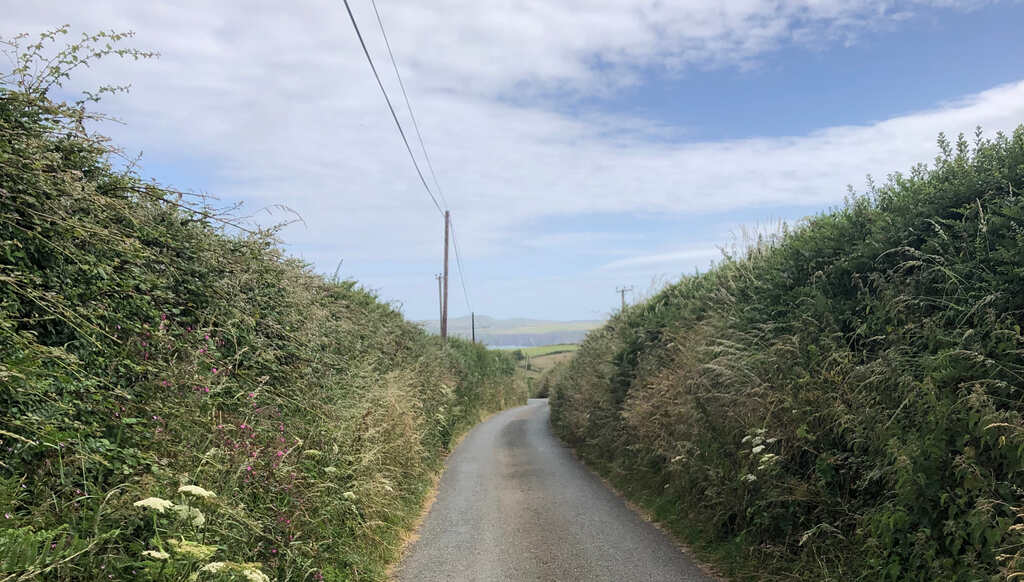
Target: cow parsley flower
<point x="253" y="575"/>
<point x="250" y="570"/>
<point x="190" y="514"/>
<point x="156" y="554"/>
<point x="192" y="549"/>
<point x="154" y="503"/>
<point x="196" y="491"/>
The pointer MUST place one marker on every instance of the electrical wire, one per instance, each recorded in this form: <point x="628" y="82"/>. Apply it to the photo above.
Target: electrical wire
<point x="415" y="125"/>
<point x="419" y="136"/>
<point x="458" y="265"/>
<point x="391" y="107"/>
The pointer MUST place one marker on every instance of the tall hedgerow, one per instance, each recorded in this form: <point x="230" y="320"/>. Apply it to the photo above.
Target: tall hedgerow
<point x="842" y="402"/>
<point x="178" y="399"/>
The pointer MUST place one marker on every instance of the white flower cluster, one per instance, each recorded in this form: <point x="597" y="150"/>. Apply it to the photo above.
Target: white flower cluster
<point x="767" y="460"/>
<point x="192" y="549"/>
<point x="214" y="567"/>
<point x="250" y="570"/>
<point x="155" y="503"/>
<point x="253" y="575"/>
<point x="190" y="514"/>
<point x="758" y="444"/>
<point x="196" y="491"/>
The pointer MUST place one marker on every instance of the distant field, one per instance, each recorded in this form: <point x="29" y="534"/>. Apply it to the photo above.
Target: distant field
<point x="535" y="351"/>
<point x="516" y="332"/>
<point x="539" y="359"/>
<point x="552" y="326"/>
<point x="541" y="364"/>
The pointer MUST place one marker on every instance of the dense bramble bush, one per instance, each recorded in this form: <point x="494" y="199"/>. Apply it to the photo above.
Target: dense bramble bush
<point x="842" y="402"/>
<point x="178" y="402"/>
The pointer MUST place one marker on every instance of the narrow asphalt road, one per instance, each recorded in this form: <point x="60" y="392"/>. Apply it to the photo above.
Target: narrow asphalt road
<point x="515" y="505"/>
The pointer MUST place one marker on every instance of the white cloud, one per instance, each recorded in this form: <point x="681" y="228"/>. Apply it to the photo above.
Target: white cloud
<point x="275" y="104"/>
<point x="687" y="256"/>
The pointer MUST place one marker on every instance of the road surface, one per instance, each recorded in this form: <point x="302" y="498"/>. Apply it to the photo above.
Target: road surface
<point x="515" y="505"/>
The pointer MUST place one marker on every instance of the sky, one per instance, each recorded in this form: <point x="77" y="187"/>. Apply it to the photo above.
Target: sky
<point x="581" y="145"/>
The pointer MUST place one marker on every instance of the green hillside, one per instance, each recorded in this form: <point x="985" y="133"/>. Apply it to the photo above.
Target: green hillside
<point x="516" y="332"/>
<point x="845" y="401"/>
<point x="181" y="401"/>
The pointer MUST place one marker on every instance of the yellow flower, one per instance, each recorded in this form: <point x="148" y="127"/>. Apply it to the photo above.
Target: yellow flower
<point x="154" y="503"/>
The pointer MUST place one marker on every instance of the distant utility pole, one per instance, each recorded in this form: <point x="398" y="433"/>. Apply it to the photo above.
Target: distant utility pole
<point x="444" y="300"/>
<point x="472" y="317"/>
<point x="622" y="291"/>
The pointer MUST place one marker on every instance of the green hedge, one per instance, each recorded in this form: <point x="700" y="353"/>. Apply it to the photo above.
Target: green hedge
<point x="144" y="350"/>
<point x="842" y="402"/>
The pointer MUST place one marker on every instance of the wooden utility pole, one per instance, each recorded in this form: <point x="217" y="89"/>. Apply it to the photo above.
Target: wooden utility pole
<point x="472" y="319"/>
<point x="444" y="301"/>
<point x="440" y="302"/>
<point x="622" y="291"/>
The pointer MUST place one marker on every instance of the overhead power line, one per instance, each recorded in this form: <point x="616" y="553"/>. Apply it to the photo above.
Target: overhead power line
<point x="419" y="136"/>
<point x="426" y="155"/>
<point x="458" y="265"/>
<point x="391" y="108"/>
<point x="405" y="95"/>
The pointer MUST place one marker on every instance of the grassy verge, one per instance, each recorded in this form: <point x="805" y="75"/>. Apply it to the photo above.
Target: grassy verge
<point x="843" y="402"/>
<point x="181" y="401"/>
